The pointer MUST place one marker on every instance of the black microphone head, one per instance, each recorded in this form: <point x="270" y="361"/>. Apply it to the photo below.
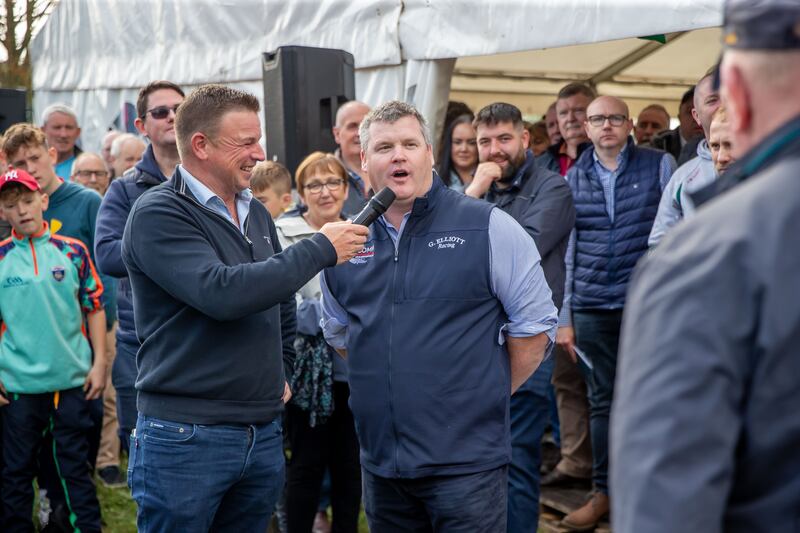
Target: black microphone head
<point x="381" y="201"/>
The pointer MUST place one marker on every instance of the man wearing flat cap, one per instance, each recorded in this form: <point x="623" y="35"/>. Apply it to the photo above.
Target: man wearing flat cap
<point x="705" y="434"/>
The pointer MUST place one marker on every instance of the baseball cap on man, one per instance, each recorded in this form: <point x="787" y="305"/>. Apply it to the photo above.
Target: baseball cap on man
<point x="762" y="24"/>
<point x="16" y="175"/>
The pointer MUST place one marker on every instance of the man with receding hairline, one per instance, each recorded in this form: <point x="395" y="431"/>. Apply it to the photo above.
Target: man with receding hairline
<point x="345" y="133"/>
<point x="676" y="202"/>
<point x="214" y="305"/>
<point x="708" y="387"/>
<point x="616" y="186"/>
<point x="652" y="120"/>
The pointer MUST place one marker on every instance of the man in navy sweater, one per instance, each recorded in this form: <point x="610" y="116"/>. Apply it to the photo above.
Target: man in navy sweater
<point x="214" y="308"/>
<point x="442" y="316"/>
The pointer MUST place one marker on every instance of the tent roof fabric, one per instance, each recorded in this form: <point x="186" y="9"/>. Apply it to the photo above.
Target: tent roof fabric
<point x="117" y="44"/>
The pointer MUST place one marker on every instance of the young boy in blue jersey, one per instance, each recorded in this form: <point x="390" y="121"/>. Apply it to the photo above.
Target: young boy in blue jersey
<point x="48" y="290"/>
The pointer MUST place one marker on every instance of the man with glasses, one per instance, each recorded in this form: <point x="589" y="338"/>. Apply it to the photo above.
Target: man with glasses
<point x="616" y="186"/>
<point x="155" y="106"/>
<point x="90" y="171"/>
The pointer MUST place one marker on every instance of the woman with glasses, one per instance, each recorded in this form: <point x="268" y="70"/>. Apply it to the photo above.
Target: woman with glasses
<point x="318" y="420"/>
<point x="458" y="157"/>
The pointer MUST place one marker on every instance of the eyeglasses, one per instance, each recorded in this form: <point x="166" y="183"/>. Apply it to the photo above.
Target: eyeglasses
<point x="161" y="112"/>
<point x="315" y="187"/>
<point x="89" y="173"/>
<point x="599" y="120"/>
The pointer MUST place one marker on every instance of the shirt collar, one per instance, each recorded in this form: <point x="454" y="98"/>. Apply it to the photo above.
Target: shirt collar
<point x="204" y="195"/>
<point x="620" y="158"/>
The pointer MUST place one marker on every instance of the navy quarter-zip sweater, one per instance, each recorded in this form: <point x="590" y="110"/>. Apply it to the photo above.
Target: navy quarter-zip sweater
<point x="214" y="308"/>
<point x="429" y="381"/>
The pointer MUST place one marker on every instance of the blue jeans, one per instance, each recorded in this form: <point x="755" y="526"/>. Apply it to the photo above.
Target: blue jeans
<point x="448" y="504"/>
<point x="530" y="413"/>
<point x="190" y="477"/>
<point x="597" y="334"/>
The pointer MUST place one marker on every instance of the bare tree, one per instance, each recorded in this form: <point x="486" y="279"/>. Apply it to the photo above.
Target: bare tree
<point x="18" y="21"/>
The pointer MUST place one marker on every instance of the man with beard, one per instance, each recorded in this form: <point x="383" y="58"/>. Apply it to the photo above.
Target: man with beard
<point x="541" y="201"/>
<point x="616" y="186"/>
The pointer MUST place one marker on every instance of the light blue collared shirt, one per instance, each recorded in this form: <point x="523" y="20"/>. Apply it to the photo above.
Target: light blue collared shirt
<point x="517" y="280"/>
<point x="207" y="198"/>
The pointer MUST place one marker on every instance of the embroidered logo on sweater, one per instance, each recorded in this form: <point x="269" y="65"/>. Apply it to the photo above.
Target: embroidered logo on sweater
<point x="446" y="242"/>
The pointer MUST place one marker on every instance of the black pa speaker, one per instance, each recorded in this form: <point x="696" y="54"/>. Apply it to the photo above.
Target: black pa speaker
<point x="12" y="108"/>
<point x="303" y="88"/>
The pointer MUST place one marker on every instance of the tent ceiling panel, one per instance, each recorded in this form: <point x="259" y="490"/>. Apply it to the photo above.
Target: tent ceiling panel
<point x="435" y="29"/>
<point x="690" y="55"/>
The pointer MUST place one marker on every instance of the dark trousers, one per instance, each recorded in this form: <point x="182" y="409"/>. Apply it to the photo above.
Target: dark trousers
<point x="530" y="412"/>
<point x="25" y="421"/>
<point x="123" y="377"/>
<point x="597" y="334"/>
<point x="443" y="504"/>
<point x="332" y="445"/>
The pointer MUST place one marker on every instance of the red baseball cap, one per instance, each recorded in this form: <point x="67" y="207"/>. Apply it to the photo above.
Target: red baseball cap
<point x="16" y="175"/>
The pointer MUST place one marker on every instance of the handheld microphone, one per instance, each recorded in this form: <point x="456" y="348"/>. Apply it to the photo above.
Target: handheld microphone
<point x="377" y="206"/>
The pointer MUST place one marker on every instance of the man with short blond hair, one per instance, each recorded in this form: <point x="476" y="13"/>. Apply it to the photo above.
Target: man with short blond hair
<point x="417" y="316"/>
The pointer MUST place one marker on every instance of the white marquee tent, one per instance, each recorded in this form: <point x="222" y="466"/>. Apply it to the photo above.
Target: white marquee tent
<point x="96" y="54"/>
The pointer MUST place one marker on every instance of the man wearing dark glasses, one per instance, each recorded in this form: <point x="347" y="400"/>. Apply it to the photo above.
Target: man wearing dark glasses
<point x="155" y="106"/>
<point x="616" y="186"/>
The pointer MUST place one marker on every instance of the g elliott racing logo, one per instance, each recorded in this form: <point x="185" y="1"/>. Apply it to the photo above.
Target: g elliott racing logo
<point x="367" y="252"/>
<point x="446" y="242"/>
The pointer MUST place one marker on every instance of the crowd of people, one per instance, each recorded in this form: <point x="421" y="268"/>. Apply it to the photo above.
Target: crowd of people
<point x="588" y="282"/>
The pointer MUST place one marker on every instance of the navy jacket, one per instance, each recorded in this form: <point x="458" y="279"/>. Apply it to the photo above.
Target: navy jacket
<point x="429" y="382"/>
<point x="541" y="201"/>
<point x="111" y="218"/>
<point x="606" y="251"/>
<point x="214" y="308"/>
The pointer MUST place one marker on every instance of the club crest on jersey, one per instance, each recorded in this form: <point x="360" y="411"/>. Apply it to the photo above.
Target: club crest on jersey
<point x="58" y="273"/>
<point x="366" y="253"/>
